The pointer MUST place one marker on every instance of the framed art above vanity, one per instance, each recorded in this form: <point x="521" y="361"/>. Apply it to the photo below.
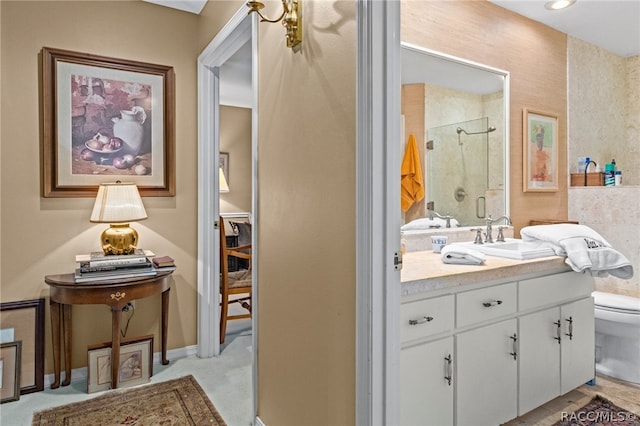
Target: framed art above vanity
<point x="539" y="151"/>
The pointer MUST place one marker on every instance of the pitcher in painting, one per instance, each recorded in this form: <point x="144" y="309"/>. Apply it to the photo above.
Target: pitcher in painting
<point x="129" y="128"/>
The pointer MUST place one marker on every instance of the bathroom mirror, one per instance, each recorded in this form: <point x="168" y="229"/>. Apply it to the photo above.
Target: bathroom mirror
<point x="466" y="133"/>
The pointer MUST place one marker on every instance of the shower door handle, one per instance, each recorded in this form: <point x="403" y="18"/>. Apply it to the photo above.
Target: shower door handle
<point x="484" y="206"/>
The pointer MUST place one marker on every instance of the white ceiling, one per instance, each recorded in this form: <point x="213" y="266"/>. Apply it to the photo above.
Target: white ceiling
<point x="235" y="79"/>
<point x="613" y="25"/>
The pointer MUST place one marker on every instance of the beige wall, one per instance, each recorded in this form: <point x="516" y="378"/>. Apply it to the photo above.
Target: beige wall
<point x="235" y="139"/>
<point x="41" y="236"/>
<point x="306" y="173"/>
<point x="604" y="108"/>
<point x="534" y="54"/>
<point x="604" y="123"/>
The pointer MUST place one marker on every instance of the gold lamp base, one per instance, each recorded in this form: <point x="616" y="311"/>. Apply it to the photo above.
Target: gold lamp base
<point x="119" y="239"/>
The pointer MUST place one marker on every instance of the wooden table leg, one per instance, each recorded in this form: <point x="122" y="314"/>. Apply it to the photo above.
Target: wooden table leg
<point x="55" y="334"/>
<point x="165" y="325"/>
<point x="116" y="314"/>
<point x="66" y="320"/>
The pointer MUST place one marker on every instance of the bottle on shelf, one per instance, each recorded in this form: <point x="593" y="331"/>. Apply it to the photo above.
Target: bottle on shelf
<point x="609" y="174"/>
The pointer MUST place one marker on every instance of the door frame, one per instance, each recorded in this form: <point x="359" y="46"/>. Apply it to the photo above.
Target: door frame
<point x="238" y="30"/>
<point x="378" y="218"/>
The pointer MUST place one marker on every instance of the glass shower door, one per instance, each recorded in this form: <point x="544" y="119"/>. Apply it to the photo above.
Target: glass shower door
<point x="457" y="171"/>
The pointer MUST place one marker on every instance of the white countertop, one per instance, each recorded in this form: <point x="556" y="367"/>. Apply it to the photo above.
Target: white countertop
<point x="424" y="271"/>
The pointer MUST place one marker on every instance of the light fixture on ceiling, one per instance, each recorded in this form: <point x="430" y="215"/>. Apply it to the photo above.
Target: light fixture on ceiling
<point x="291" y="19"/>
<point x="118" y="204"/>
<point x="558" y="4"/>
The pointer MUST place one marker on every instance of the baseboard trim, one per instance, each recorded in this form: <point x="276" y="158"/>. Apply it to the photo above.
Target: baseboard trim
<point x="259" y="422"/>
<point x="80" y="374"/>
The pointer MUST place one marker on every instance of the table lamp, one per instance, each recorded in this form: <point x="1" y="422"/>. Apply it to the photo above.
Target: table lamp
<point x="224" y="186"/>
<point x="118" y="204"/>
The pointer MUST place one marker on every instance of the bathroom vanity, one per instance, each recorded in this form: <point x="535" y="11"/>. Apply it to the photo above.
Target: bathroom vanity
<point x="481" y="345"/>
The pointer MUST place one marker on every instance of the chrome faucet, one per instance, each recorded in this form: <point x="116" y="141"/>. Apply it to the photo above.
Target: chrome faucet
<point x="500" y="237"/>
<point x="488" y="238"/>
<point x="447" y="218"/>
<point x="478" y="232"/>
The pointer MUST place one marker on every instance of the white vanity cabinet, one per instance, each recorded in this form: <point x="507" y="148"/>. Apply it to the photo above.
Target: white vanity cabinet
<point x="510" y="347"/>
<point x="575" y="367"/>
<point x="486" y="355"/>
<point x="556" y="344"/>
<point x="487" y="374"/>
<point x="426" y="374"/>
<point x="426" y="362"/>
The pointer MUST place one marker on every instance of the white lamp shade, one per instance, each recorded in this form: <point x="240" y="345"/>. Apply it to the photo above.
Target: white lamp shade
<point x="224" y="186"/>
<point x="118" y="202"/>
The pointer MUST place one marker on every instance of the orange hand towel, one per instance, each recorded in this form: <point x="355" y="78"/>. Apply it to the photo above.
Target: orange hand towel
<point x="411" y="178"/>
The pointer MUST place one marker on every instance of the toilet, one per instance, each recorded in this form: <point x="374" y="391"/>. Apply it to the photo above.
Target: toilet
<point x="617" y="324"/>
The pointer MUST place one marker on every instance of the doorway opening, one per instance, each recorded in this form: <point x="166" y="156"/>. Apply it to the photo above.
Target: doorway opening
<point x="227" y="125"/>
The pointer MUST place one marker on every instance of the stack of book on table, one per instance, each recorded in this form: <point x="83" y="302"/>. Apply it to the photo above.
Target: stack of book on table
<point x="97" y="266"/>
<point x="163" y="263"/>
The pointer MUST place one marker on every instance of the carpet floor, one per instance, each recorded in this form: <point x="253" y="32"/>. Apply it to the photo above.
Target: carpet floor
<point x="174" y="402"/>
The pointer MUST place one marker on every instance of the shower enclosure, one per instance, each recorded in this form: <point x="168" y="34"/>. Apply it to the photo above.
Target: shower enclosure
<point x="458" y="162"/>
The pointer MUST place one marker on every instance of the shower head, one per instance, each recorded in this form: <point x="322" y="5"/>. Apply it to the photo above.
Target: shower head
<point x="461" y="130"/>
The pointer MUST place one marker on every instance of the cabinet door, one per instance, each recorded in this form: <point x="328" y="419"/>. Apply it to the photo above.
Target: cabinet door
<point x="577" y="361"/>
<point x="486" y="374"/>
<point x="426" y="396"/>
<point x="539" y="363"/>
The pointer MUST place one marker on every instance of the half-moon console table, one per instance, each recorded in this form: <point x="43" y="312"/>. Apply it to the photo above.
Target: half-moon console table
<point x="65" y="292"/>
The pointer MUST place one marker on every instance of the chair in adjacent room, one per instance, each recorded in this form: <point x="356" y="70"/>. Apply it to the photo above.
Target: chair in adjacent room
<point x="235" y="286"/>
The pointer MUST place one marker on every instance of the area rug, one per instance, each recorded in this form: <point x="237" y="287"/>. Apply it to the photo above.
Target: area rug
<point x="175" y="402"/>
<point x="600" y="411"/>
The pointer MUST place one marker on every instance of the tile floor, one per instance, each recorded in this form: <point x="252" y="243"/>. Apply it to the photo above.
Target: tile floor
<point x="623" y="394"/>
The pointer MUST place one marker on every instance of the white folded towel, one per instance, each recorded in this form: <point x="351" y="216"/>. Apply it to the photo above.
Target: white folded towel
<point x="426" y="223"/>
<point x="461" y="255"/>
<point x="586" y="250"/>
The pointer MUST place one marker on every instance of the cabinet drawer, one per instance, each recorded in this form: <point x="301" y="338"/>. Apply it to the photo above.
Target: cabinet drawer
<point x="553" y="289"/>
<point x="486" y="303"/>
<point x="426" y="317"/>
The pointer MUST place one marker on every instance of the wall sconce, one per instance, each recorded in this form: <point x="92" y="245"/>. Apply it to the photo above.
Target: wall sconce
<point x="291" y="18"/>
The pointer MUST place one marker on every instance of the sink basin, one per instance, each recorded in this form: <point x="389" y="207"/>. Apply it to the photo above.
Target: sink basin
<point x="511" y="248"/>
